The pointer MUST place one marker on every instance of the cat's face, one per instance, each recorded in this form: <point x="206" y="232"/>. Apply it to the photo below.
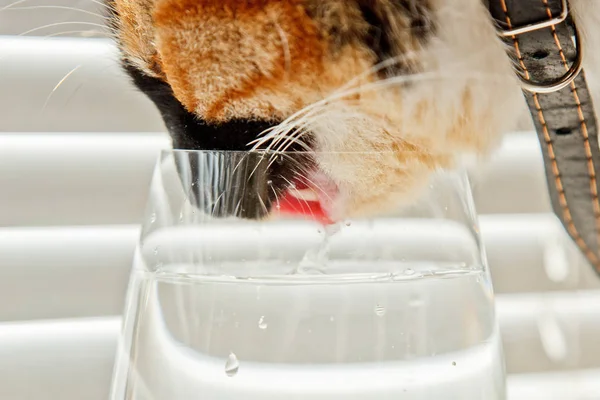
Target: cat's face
<point x="383" y="91"/>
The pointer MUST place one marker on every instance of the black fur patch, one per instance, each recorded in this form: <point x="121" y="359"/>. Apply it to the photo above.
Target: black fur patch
<point x="380" y="16"/>
<point x="384" y="26"/>
<point x="188" y="131"/>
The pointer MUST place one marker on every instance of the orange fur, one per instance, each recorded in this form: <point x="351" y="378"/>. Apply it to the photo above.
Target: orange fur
<point x="268" y="59"/>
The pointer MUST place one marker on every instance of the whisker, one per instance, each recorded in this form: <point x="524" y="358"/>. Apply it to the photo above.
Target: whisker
<point x="108" y="6"/>
<point x="298" y="132"/>
<point x="294" y="139"/>
<point x="104" y="34"/>
<point x="277" y="152"/>
<point x="262" y="203"/>
<point x="257" y="165"/>
<point x="315" y="186"/>
<point x="61" y="23"/>
<point x="281" y="130"/>
<point x="59" y="8"/>
<point x="301" y="175"/>
<point x="12" y="4"/>
<point x="275" y="194"/>
<point x="59" y="84"/>
<point x="378" y="67"/>
<point x="214" y="205"/>
<point x="291" y="186"/>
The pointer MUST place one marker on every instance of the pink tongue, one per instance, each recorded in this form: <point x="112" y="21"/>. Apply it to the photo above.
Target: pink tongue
<point x="291" y="205"/>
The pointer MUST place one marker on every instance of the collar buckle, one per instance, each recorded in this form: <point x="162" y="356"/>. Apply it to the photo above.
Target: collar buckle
<point x="540" y="24"/>
<point x="573" y="71"/>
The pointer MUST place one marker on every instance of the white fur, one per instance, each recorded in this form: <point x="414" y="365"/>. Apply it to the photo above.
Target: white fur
<point x="466" y="54"/>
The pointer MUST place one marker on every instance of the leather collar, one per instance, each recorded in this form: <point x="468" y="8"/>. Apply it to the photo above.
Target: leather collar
<point x="544" y="45"/>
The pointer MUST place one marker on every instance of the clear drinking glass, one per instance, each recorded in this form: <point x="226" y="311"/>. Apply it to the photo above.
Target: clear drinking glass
<point x="227" y="302"/>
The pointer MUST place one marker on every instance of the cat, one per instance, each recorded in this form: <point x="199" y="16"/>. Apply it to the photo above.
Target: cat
<point x="382" y="93"/>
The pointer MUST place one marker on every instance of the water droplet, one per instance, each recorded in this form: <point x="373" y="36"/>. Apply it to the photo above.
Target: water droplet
<point x="232" y="365"/>
<point x="262" y="324"/>
<point x="153" y="218"/>
<point x="156" y="250"/>
<point x="379" y="310"/>
<point x="409" y="271"/>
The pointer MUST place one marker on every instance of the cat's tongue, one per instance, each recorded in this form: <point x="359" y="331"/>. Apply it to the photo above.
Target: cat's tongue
<point x="303" y="201"/>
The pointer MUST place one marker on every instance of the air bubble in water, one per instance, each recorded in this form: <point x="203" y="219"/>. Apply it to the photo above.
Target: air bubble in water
<point x="262" y="324"/>
<point x="232" y="365"/>
<point x="379" y="310"/>
<point x="153" y="218"/>
<point x="409" y="271"/>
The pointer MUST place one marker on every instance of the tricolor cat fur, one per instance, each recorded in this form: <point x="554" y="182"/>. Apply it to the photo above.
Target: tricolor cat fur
<point x="383" y="91"/>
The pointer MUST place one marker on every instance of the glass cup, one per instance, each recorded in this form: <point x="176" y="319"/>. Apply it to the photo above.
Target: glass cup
<point x="232" y="297"/>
